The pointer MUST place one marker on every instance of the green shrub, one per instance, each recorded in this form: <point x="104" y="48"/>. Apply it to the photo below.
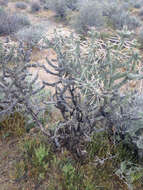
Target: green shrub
<point x="36" y="159"/>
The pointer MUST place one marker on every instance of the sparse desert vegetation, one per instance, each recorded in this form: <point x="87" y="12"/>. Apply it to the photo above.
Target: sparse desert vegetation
<point x="21" y="5"/>
<point x="31" y="35"/>
<point x="71" y="95"/>
<point x="35" y="7"/>
<point x="12" y="22"/>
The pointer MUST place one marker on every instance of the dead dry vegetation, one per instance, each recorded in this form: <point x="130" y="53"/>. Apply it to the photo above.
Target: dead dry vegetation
<point x="71" y="98"/>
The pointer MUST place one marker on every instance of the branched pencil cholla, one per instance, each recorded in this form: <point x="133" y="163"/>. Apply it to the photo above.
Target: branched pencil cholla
<point x="17" y="87"/>
<point x="87" y="91"/>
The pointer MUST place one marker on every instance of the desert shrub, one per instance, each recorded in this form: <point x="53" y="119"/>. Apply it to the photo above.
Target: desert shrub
<point x="134" y="128"/>
<point x="43" y="2"/>
<point x="135" y="4"/>
<point x="140" y="38"/>
<point x="35" y="7"/>
<point x="118" y="17"/>
<point x="21" y="5"/>
<point x="4" y="2"/>
<point x="119" y="20"/>
<point x="46" y="6"/>
<point x="71" y="4"/>
<point x="138" y="4"/>
<point x="59" y="7"/>
<point x="141" y="12"/>
<point x="114" y="6"/>
<point x="10" y="23"/>
<point x="31" y="35"/>
<point x="95" y="13"/>
<point x="62" y="6"/>
<point x="90" y="14"/>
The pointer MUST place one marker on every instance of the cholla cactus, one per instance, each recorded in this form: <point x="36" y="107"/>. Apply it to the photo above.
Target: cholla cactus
<point x="88" y="90"/>
<point x="17" y="87"/>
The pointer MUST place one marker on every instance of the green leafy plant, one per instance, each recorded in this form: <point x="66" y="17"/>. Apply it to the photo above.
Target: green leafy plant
<point x="41" y="153"/>
<point x="36" y="159"/>
<point x="69" y="175"/>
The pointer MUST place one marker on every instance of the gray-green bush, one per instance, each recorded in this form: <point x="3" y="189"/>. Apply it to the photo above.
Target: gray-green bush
<point x="21" y="5"/>
<point x="120" y="18"/>
<point x="141" y="12"/>
<point x="35" y="7"/>
<point x="90" y="14"/>
<point x="4" y="3"/>
<point x="138" y="4"/>
<point x="31" y="35"/>
<point x="140" y="38"/>
<point x="118" y="15"/>
<point x="12" y="22"/>
<point x="100" y="13"/>
<point x="61" y="7"/>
